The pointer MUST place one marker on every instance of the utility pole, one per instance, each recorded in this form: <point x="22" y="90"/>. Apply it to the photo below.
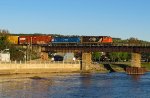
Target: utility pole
<point x="30" y="48"/>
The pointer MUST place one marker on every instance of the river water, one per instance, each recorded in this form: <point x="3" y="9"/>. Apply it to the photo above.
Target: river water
<point x="95" y="85"/>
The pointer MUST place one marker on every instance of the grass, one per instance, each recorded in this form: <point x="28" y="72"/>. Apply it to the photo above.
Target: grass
<point x="147" y="65"/>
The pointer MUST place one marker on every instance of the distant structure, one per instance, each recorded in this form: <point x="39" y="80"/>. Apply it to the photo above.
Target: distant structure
<point x="69" y="57"/>
<point x="5" y="57"/>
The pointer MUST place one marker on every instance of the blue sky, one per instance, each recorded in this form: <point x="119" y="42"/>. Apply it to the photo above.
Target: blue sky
<point x="116" y="18"/>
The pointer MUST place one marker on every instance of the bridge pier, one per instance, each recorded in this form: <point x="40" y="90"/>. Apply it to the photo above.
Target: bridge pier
<point x="135" y="60"/>
<point x="86" y="61"/>
<point x="135" y="65"/>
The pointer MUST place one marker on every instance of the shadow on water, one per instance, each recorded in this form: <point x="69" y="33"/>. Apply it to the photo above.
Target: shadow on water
<point x="108" y="67"/>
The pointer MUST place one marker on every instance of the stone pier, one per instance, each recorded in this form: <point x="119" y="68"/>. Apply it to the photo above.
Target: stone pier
<point x="86" y="61"/>
<point x="135" y="65"/>
<point x="136" y="60"/>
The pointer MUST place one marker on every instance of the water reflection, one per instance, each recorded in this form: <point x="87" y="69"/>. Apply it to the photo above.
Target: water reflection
<point x="26" y="88"/>
<point x="109" y="85"/>
<point x="85" y="79"/>
<point x="136" y="77"/>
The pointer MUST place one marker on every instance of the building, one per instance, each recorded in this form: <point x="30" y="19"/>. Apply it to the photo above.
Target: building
<point x="5" y="57"/>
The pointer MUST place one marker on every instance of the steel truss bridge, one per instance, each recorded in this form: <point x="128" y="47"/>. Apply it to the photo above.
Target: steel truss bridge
<point x="86" y="50"/>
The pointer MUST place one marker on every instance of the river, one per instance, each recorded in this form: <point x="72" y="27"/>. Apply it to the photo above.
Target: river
<point x="92" y="85"/>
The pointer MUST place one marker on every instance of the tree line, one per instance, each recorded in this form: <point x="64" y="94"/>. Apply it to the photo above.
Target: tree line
<point x="15" y="54"/>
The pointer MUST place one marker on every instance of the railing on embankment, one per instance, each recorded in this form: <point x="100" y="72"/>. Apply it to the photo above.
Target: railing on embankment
<point x="38" y="67"/>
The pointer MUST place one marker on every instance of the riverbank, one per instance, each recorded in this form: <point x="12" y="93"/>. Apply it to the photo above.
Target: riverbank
<point x="114" y="67"/>
<point x="63" y="68"/>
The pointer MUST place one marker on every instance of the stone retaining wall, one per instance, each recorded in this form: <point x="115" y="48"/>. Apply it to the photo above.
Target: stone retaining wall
<point x="37" y="68"/>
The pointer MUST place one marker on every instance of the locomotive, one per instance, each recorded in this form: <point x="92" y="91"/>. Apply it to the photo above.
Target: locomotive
<point x="51" y="40"/>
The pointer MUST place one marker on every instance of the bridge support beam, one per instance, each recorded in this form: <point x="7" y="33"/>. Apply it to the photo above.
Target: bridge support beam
<point x="86" y="61"/>
<point x="135" y="65"/>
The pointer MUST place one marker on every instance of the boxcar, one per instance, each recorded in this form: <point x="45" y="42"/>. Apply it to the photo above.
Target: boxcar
<point x="36" y="39"/>
<point x="24" y="39"/>
<point x="96" y="39"/>
<point x="13" y="39"/>
<point x="44" y="39"/>
<point x="66" y="40"/>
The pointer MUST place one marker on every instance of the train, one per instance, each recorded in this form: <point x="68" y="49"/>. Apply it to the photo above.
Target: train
<point x="54" y="40"/>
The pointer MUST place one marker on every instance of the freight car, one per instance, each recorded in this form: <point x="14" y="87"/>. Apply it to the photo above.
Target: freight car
<point x="40" y="39"/>
<point x="34" y="39"/>
<point x="24" y="40"/>
<point x="13" y="39"/>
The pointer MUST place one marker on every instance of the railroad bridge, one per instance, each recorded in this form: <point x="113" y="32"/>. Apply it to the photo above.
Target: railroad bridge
<point x="87" y="49"/>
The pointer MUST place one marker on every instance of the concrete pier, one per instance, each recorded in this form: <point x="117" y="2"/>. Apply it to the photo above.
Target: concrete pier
<point x="136" y="60"/>
<point x="86" y="61"/>
<point x="135" y="65"/>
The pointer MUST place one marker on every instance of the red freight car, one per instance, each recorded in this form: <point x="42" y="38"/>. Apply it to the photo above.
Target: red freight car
<point x="35" y="39"/>
<point x="24" y="39"/>
<point x="95" y="39"/>
<point x="41" y="39"/>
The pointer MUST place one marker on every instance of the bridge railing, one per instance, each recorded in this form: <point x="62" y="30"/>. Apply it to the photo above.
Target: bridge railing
<point x="131" y="44"/>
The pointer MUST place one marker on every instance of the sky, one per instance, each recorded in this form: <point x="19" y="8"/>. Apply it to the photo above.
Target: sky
<point x="115" y="18"/>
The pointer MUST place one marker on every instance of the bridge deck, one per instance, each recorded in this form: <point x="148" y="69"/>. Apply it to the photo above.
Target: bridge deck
<point x="70" y="48"/>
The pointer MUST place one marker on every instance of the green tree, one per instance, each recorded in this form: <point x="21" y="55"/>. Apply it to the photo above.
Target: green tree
<point x="3" y="39"/>
<point x="15" y="54"/>
<point x="96" y="56"/>
<point x="119" y="56"/>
